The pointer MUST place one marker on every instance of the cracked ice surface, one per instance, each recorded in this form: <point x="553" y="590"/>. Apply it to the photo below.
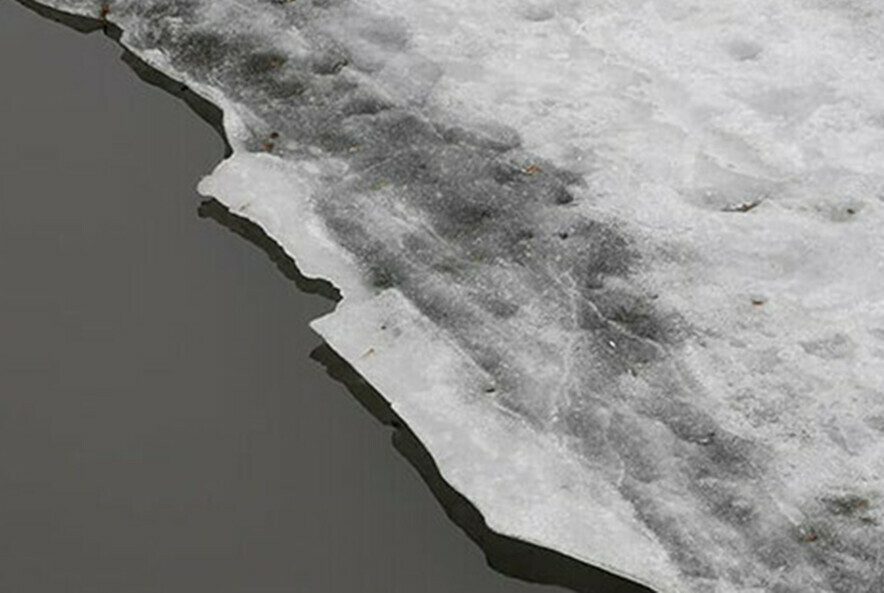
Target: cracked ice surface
<point x="619" y="265"/>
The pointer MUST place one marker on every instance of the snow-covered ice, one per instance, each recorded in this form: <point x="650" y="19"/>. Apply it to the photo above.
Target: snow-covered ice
<point x="619" y="265"/>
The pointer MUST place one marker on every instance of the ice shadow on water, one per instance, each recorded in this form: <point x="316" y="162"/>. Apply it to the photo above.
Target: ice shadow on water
<point x="251" y="232"/>
<point x="207" y="111"/>
<point x="507" y="555"/>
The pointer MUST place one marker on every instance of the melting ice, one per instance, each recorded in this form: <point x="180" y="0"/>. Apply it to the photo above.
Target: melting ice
<point x="618" y="264"/>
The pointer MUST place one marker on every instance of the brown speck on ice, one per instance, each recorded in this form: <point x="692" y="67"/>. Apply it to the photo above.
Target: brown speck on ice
<point x="532" y="169"/>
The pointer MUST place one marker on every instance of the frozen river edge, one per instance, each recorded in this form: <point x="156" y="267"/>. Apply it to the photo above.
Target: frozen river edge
<point x="510" y="556"/>
<point x="617" y="270"/>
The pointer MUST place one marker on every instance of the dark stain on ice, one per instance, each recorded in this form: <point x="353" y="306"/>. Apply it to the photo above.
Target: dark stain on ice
<point x="833" y="347"/>
<point x="329" y="63"/>
<point x="202" y="49"/>
<point x="743" y="206"/>
<point x="840" y="536"/>
<point x="727" y="501"/>
<point x="365" y="104"/>
<point x="876" y="422"/>
<point x="498" y="306"/>
<point x="258" y="65"/>
<point x="327" y="3"/>
<point x="850" y="505"/>
<point x="499" y="139"/>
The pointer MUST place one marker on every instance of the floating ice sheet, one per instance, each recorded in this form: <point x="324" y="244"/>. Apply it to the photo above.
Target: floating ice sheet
<point x="619" y="265"/>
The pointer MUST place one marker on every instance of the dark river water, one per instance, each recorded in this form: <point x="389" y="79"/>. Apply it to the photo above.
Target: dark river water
<point x="167" y="420"/>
